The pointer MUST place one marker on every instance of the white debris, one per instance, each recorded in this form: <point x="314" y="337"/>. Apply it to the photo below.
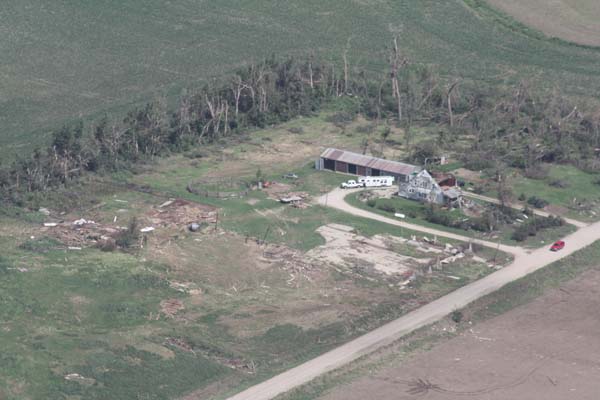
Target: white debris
<point x="74" y="377"/>
<point x="456" y="278"/>
<point x="50" y="224"/>
<point x="44" y="211"/>
<point x="166" y="203"/>
<point x="82" y="221"/>
<point x="74" y="248"/>
<point x="147" y="229"/>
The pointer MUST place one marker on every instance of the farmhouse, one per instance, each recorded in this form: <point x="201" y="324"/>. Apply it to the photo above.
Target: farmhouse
<point x="422" y="186"/>
<point x="358" y="164"/>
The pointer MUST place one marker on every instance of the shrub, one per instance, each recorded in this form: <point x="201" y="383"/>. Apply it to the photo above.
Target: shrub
<point x="534" y="225"/>
<point x="130" y="236"/>
<point x="457" y="316"/>
<point x="371" y="203"/>
<point x="522" y="197"/>
<point x="520" y="234"/>
<point x="537" y="202"/>
<point x="386" y="207"/>
<point x="537" y="171"/>
<point x="559" y="183"/>
<point x="296" y="130"/>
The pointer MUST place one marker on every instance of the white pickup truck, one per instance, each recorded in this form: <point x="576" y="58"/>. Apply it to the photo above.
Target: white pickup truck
<point x="352" y="184"/>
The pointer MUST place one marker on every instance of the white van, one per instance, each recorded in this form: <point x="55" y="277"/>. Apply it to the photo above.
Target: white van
<point x="377" y="181"/>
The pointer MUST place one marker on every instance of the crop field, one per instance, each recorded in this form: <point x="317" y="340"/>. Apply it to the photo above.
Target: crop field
<point x="67" y="60"/>
<point x="545" y="349"/>
<point x="576" y="21"/>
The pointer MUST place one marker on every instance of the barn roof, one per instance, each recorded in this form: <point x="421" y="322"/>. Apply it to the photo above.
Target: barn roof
<point x="369" y="162"/>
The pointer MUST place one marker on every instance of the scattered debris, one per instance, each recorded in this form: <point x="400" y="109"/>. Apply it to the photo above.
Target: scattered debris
<point x="147" y="229"/>
<point x="181" y="213"/>
<point x="50" y="224"/>
<point x="82" y="222"/>
<point x="44" y="211"/>
<point x="171" y="307"/>
<point x="80" y="379"/>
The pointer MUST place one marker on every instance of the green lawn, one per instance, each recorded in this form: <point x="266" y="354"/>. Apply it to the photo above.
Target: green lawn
<point x="579" y="187"/>
<point x="66" y="60"/>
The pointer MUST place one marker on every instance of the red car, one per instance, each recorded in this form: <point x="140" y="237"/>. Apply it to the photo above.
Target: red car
<point x="559" y="245"/>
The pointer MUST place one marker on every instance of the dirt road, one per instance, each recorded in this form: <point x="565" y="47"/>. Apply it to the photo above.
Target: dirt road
<point x="523" y="264"/>
<point x="518" y="206"/>
<point x="336" y="197"/>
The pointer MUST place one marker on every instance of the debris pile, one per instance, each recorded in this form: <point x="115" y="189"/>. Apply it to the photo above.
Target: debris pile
<point x="170" y="307"/>
<point x="289" y="260"/>
<point x="182" y="213"/>
<point x="81" y="233"/>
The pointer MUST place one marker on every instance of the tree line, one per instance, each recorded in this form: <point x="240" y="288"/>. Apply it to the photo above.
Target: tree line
<point x="505" y="126"/>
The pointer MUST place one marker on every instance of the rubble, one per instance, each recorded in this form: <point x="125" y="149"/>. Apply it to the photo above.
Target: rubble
<point x="181" y="213"/>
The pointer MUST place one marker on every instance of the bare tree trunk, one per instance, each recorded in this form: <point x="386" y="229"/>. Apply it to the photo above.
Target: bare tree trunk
<point x="310" y="74"/>
<point x="396" y="62"/>
<point x="450" y="113"/>
<point x="345" y="56"/>
<point x="345" y="72"/>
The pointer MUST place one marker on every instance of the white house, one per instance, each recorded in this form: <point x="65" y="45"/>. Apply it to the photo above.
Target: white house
<point x="421" y="186"/>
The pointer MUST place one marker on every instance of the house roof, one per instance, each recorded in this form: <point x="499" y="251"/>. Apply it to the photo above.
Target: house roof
<point x="369" y="162"/>
<point x="452" y="193"/>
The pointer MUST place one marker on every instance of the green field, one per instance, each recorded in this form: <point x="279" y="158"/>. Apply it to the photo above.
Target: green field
<point x="66" y="60"/>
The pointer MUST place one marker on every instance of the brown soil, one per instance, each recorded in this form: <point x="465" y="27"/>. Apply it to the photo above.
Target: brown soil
<point x="548" y="349"/>
<point x="572" y="20"/>
<point x="170" y="307"/>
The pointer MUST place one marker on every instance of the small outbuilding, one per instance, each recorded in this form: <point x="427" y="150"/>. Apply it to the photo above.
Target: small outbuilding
<point x="348" y="162"/>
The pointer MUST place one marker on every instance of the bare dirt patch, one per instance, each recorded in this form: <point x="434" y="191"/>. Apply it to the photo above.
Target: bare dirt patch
<point x="179" y="213"/>
<point x="576" y="21"/>
<point x="345" y="248"/>
<point x="171" y="307"/>
<point x="547" y="349"/>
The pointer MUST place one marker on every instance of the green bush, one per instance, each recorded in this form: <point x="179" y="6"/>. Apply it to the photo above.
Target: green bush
<point x="537" y="202"/>
<point x="386" y="207"/>
<point x="129" y="237"/>
<point x="371" y="203"/>
<point x="457" y="316"/>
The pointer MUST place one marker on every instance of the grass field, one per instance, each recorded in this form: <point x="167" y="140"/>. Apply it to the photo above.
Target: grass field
<point x="66" y="60"/>
<point x="577" y="21"/>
